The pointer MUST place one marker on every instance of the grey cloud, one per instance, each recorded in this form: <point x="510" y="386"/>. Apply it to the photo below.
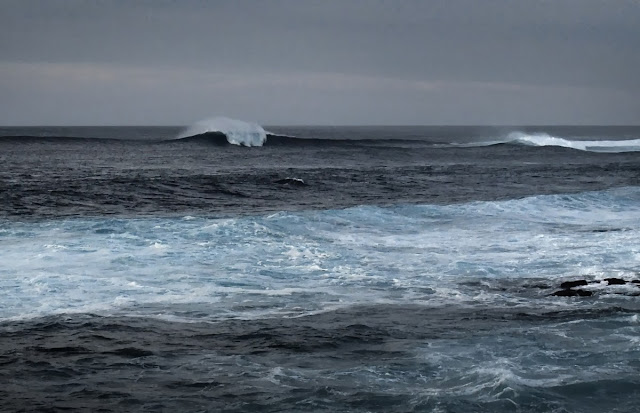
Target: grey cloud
<point x="555" y="60"/>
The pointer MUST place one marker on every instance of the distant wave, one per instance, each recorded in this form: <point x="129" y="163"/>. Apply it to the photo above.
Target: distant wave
<point x="272" y="139"/>
<point x="544" y="139"/>
<point x="227" y="132"/>
<point x="514" y="138"/>
<point x="222" y="131"/>
<point x="212" y="138"/>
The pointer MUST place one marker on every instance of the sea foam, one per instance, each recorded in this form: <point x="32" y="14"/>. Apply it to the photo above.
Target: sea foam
<point x="300" y="263"/>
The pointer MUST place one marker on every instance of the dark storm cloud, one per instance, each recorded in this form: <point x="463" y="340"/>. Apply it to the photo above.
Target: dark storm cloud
<point x="369" y="61"/>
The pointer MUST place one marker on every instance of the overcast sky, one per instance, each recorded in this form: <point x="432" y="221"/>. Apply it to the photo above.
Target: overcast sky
<point x="170" y="62"/>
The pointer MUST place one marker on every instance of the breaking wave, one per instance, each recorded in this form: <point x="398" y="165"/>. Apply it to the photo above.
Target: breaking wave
<point x="222" y="131"/>
<point x="543" y="139"/>
<point x="237" y="132"/>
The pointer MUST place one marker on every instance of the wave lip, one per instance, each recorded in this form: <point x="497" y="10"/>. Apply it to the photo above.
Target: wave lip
<point x="543" y="139"/>
<point x="237" y="132"/>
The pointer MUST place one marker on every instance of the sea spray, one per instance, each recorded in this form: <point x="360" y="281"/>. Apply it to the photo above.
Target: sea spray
<point x="237" y="132"/>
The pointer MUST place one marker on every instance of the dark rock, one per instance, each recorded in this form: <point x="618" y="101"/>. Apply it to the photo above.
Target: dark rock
<point x="615" y="281"/>
<point x="567" y="292"/>
<point x="571" y="284"/>
<point x="636" y="282"/>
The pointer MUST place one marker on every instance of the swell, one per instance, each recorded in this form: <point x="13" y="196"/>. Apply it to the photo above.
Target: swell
<point x="211" y="138"/>
<point x="31" y="139"/>
<point x="214" y="139"/>
<point x="88" y="191"/>
<point x="220" y="139"/>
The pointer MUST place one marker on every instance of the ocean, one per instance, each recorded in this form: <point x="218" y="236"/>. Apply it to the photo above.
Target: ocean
<point x="230" y="267"/>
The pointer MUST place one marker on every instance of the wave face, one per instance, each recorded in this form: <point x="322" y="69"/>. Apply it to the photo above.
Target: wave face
<point x="237" y="132"/>
<point x="543" y="139"/>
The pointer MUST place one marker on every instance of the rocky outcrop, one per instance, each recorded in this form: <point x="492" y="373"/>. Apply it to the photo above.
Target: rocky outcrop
<point x="568" y="287"/>
<point x="571" y="284"/>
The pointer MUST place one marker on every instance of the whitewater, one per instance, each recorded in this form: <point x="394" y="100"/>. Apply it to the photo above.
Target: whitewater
<point x="295" y="264"/>
<point x="462" y="269"/>
<point x="625" y="145"/>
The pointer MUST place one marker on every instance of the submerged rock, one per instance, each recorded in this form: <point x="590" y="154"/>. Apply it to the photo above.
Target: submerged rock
<point x="615" y="281"/>
<point x="571" y="284"/>
<point x="567" y="287"/>
<point x="568" y="292"/>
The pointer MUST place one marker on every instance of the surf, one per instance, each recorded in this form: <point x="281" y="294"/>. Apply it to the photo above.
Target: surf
<point x="315" y="260"/>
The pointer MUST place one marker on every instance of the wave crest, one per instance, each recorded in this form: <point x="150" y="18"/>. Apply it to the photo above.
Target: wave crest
<point x="544" y="139"/>
<point x="237" y="132"/>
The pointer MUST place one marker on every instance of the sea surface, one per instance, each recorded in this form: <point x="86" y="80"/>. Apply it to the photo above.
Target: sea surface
<point x="231" y="267"/>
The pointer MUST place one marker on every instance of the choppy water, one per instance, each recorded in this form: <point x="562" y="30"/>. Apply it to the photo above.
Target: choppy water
<point x="410" y="270"/>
